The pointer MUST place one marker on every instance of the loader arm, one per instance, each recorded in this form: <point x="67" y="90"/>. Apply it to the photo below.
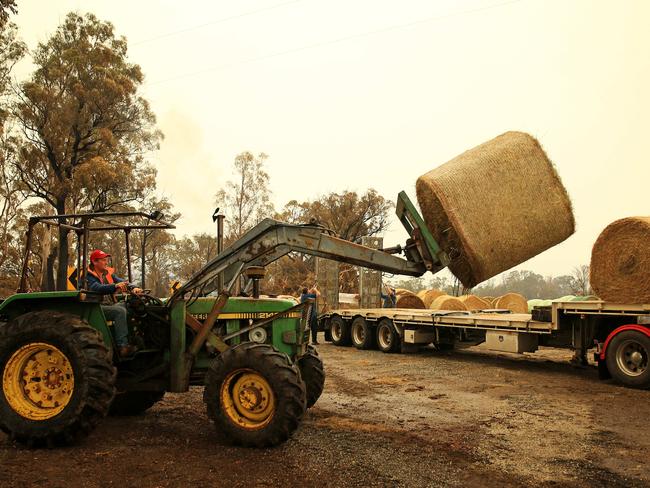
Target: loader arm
<point x="270" y="240"/>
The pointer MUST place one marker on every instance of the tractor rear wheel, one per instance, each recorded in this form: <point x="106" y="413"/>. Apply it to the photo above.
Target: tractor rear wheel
<point x="254" y="395"/>
<point x="313" y="374"/>
<point x="135" y="402"/>
<point x="57" y="378"/>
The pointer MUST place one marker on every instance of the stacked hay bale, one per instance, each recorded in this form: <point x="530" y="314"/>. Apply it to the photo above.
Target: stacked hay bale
<point x="512" y="301"/>
<point x="446" y="302"/>
<point x="472" y="302"/>
<point x="620" y="262"/>
<point x="428" y="296"/>
<point x="407" y="299"/>
<point x="495" y="206"/>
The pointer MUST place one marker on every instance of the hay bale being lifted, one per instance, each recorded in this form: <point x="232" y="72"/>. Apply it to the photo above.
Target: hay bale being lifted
<point x="429" y="296"/>
<point x="472" y="302"/>
<point x="446" y="302"/>
<point x="408" y="300"/>
<point x="495" y="206"/>
<point x="620" y="262"/>
<point x="512" y="301"/>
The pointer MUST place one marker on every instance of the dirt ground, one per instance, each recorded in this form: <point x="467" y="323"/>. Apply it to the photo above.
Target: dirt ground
<point x="462" y="418"/>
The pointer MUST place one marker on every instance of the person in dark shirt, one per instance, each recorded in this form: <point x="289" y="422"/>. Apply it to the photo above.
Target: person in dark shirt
<point x="101" y="279"/>
<point x="389" y="299"/>
<point x="313" y="317"/>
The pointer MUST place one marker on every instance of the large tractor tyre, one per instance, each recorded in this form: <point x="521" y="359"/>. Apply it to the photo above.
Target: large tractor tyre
<point x="313" y="375"/>
<point x="254" y="395"/>
<point x="58" y="381"/>
<point x="628" y="359"/>
<point x="134" y="402"/>
<point x="388" y="340"/>
<point x="340" y="331"/>
<point x="361" y="334"/>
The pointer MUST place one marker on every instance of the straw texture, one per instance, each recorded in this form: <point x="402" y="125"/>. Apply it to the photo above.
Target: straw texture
<point x="472" y="302"/>
<point x="512" y="301"/>
<point x="409" y="300"/>
<point x="495" y="206"/>
<point x="428" y="296"/>
<point x="620" y="262"/>
<point x="446" y="302"/>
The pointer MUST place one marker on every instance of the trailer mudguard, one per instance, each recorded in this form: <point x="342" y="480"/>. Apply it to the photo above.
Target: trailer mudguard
<point x="639" y="328"/>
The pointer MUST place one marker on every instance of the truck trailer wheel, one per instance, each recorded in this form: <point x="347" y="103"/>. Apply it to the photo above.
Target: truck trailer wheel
<point x="388" y="339"/>
<point x="340" y="331"/>
<point x="57" y="379"/>
<point x="313" y="375"/>
<point x="361" y="334"/>
<point x="254" y="395"/>
<point x="628" y="356"/>
<point x="134" y="402"/>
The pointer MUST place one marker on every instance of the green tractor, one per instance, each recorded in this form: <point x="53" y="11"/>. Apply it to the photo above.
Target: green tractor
<point x="60" y="375"/>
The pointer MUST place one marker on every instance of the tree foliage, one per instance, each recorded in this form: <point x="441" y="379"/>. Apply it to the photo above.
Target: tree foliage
<point x="349" y="214"/>
<point x="85" y="129"/>
<point x="246" y="199"/>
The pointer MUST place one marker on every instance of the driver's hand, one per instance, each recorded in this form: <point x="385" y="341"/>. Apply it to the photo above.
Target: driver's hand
<point x="121" y="286"/>
<point x="137" y="291"/>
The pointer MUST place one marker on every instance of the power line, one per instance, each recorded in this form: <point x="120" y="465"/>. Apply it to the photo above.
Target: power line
<point x="334" y="41"/>
<point x="213" y="22"/>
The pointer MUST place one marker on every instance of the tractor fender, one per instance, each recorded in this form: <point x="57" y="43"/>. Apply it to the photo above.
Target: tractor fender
<point x="84" y="305"/>
<point x="612" y="334"/>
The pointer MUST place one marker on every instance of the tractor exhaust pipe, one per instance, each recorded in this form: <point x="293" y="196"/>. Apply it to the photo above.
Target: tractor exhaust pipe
<point x="219" y="218"/>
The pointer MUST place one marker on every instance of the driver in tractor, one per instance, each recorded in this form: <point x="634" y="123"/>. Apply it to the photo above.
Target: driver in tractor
<point x="101" y="279"/>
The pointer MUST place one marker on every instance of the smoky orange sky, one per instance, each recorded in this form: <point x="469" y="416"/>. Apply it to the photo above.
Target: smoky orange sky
<point x="357" y="94"/>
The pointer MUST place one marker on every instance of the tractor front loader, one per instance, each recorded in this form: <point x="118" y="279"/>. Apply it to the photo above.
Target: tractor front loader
<point x="61" y="375"/>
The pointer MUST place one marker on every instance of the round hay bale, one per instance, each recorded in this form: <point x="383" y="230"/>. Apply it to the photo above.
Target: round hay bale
<point x="495" y="206"/>
<point x="620" y="261"/>
<point x="430" y="296"/>
<point x="446" y="302"/>
<point x="409" y="300"/>
<point x="472" y="302"/>
<point x="403" y="291"/>
<point x="421" y="294"/>
<point x="565" y="298"/>
<point x="512" y="301"/>
<point x="489" y="299"/>
<point x="537" y="302"/>
<point x="585" y="298"/>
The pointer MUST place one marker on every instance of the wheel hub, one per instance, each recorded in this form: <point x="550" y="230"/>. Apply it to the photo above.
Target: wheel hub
<point x="38" y="381"/>
<point x="248" y="399"/>
<point x="632" y="358"/>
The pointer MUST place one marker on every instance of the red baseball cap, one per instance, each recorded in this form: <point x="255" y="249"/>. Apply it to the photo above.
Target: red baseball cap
<point x="98" y="254"/>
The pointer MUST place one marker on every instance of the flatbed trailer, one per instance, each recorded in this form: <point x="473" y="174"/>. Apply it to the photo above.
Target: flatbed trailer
<point x="619" y="333"/>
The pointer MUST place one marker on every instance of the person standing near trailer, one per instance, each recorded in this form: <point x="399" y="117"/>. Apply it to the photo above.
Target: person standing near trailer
<point x="389" y="299"/>
<point x="312" y="294"/>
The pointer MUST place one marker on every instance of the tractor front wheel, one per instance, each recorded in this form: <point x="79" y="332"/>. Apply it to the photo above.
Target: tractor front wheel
<point x="313" y="374"/>
<point x="57" y="378"/>
<point x="254" y="395"/>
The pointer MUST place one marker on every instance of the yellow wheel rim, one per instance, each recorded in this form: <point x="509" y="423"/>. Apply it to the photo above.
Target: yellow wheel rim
<point x="247" y="399"/>
<point x="38" y="381"/>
